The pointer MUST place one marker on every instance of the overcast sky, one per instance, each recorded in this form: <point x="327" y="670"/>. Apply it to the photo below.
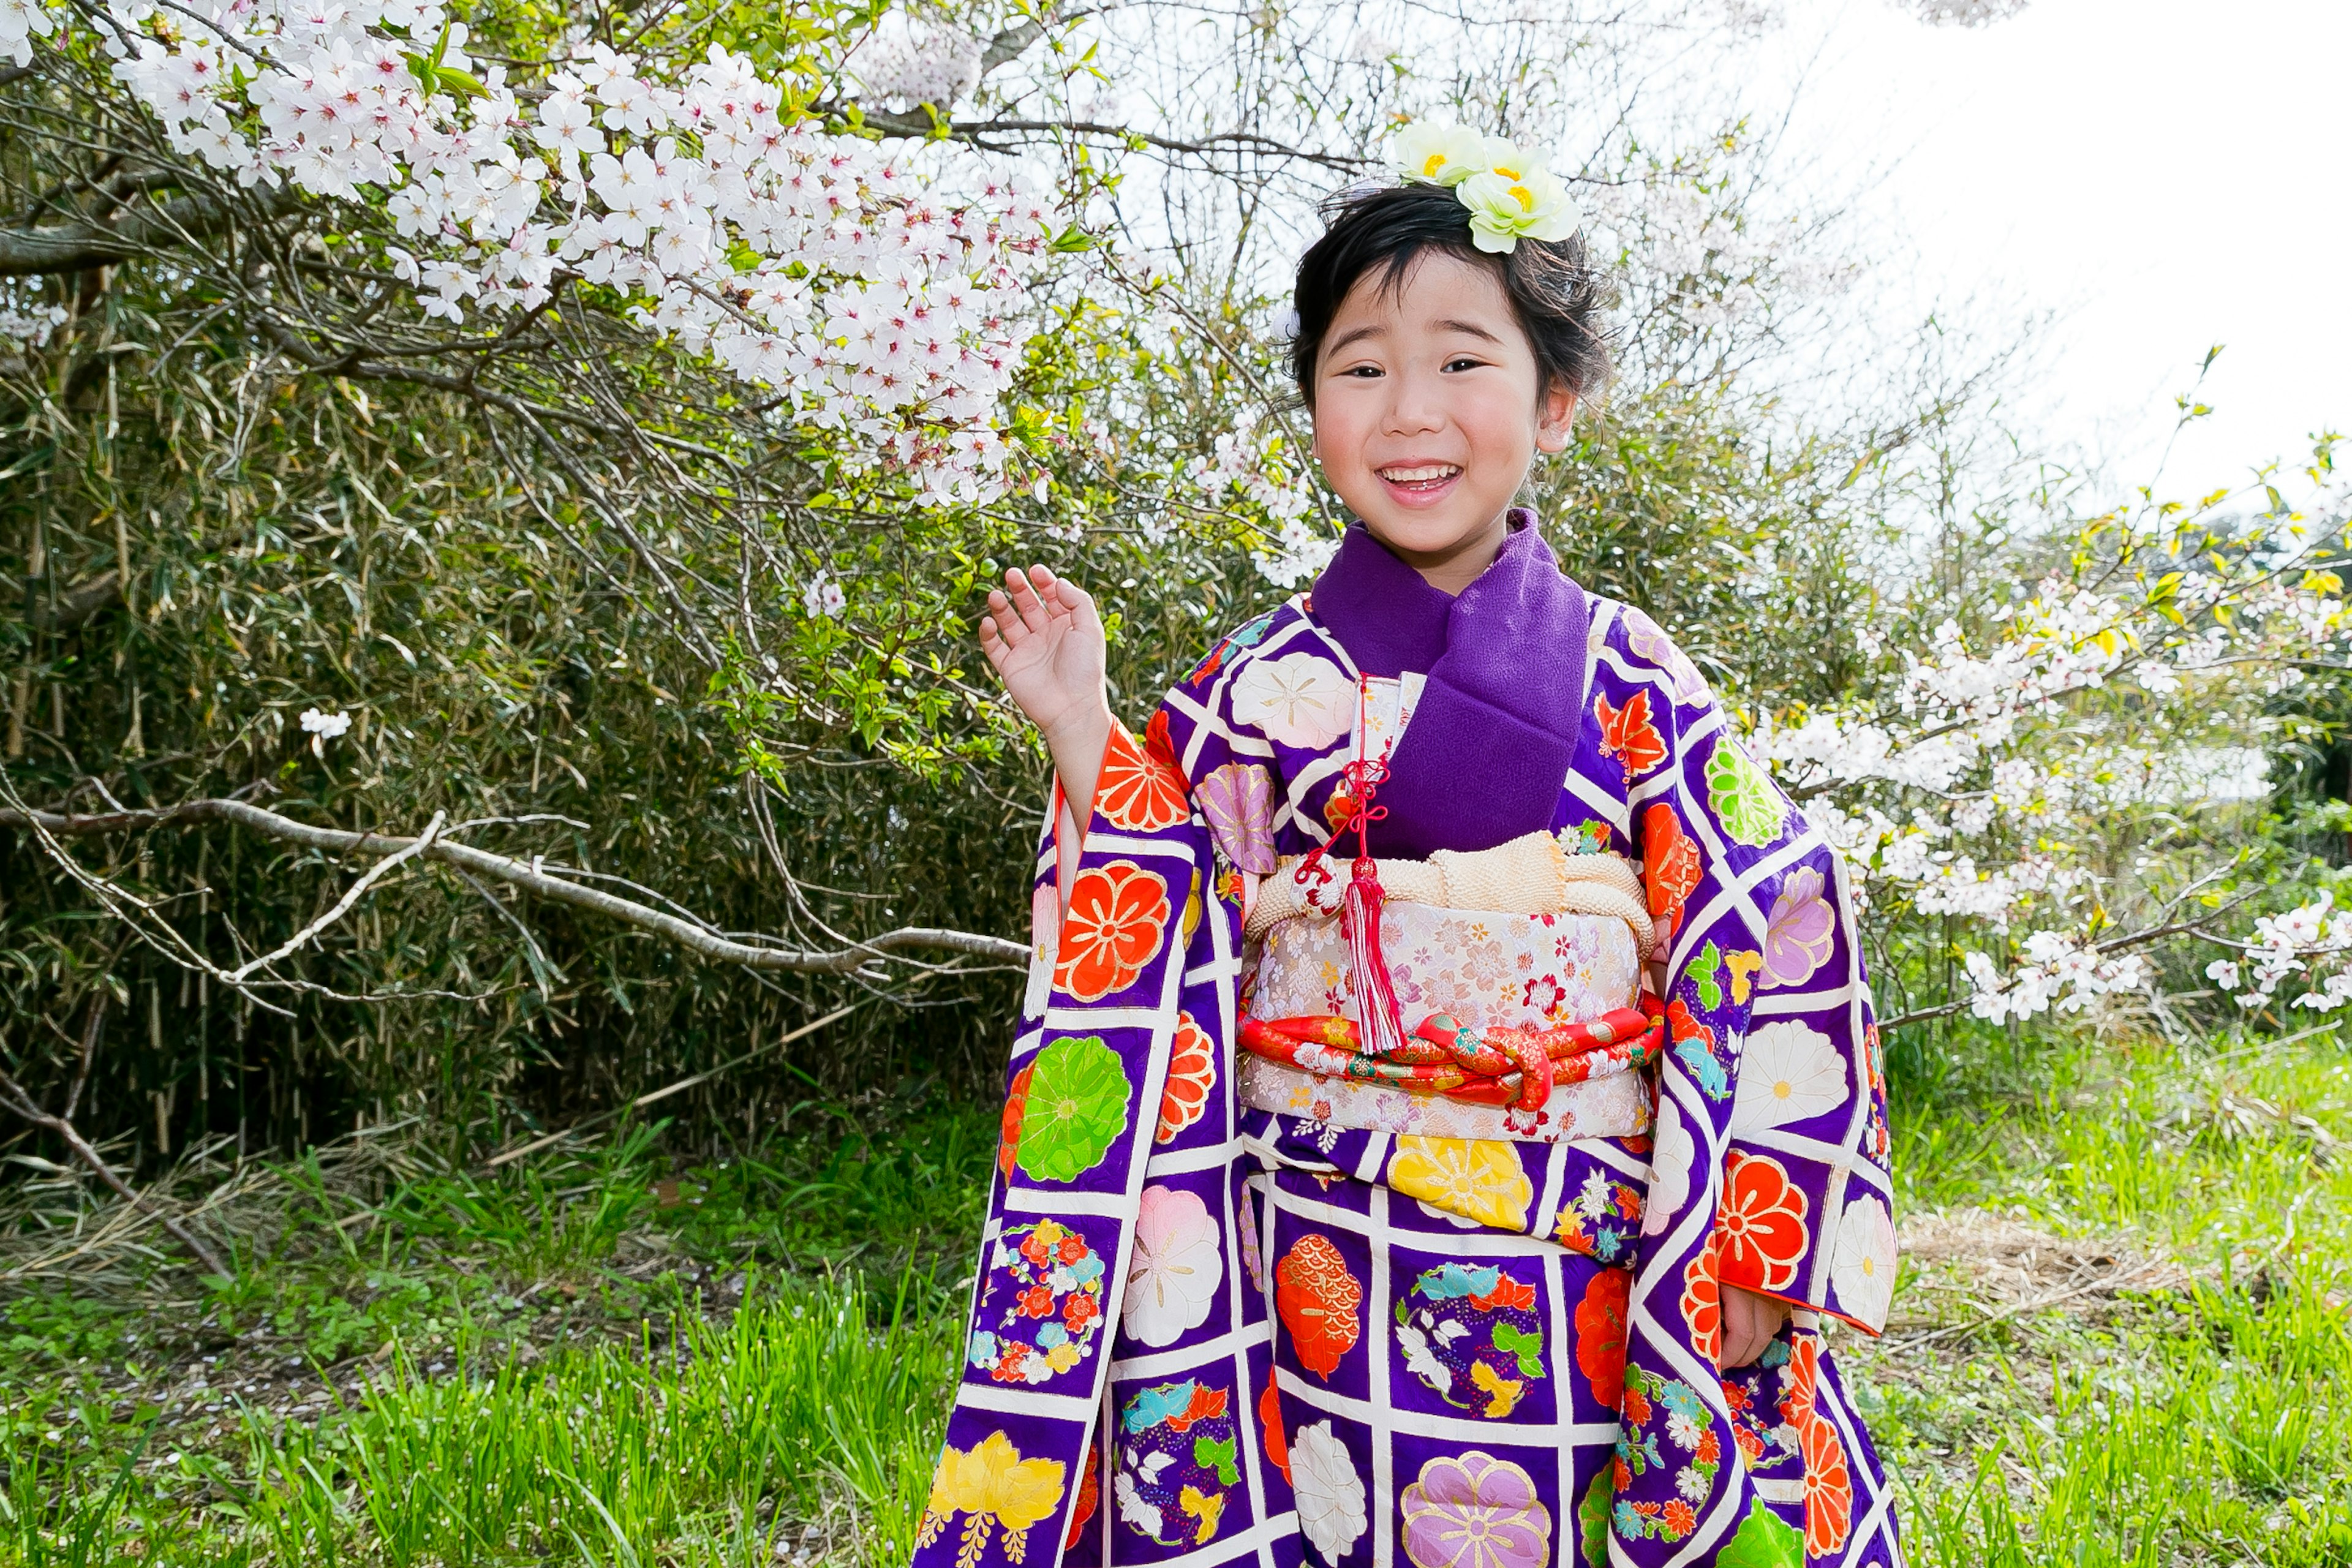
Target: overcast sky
<point x="2163" y="176"/>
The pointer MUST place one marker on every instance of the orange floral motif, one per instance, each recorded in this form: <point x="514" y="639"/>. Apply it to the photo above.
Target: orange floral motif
<point x="1829" y="1488"/>
<point x="1016" y="1102"/>
<point x="1117" y="914"/>
<point x="1317" y="1298"/>
<point x="1703" y="1302"/>
<point x="1191" y="1074"/>
<point x="1670" y="867"/>
<point x="1803" y="1375"/>
<point x="1760" y="1224"/>
<point x="1137" y="791"/>
<point x="1507" y="1292"/>
<point x="1156" y="741"/>
<point x="1090" y="1494"/>
<point x="1627" y="734"/>
<point x="1269" y="1420"/>
<point x="1600" y="1333"/>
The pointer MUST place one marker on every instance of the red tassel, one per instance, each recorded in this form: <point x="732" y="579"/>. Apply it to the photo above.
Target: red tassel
<point x="1359" y="922"/>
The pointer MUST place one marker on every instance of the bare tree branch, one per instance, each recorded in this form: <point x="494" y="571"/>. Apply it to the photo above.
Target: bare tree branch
<point x="51" y="249"/>
<point x="13" y="1095"/>
<point x="536" y="877"/>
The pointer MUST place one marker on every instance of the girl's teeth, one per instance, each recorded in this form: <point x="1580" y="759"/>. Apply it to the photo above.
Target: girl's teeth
<point x="1414" y="476"/>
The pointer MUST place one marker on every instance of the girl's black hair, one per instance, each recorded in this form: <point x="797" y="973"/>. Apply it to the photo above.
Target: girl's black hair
<point x="1553" y="290"/>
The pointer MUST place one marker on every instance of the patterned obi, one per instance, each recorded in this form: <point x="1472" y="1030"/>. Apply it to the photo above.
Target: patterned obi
<point x="1527" y="939"/>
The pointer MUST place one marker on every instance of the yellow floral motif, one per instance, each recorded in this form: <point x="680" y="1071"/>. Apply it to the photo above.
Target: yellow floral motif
<point x="993" y="1485"/>
<point x="1502" y="1393"/>
<point x="1743" y="967"/>
<point x="1207" y="1506"/>
<point x="1479" y="1179"/>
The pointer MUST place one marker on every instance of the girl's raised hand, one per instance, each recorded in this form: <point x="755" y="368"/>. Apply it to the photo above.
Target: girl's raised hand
<point x="1043" y="636"/>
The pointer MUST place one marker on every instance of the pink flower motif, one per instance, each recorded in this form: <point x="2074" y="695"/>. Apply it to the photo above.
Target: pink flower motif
<point x="1800" y="931"/>
<point x="1475" y="1511"/>
<point x="1238" y="800"/>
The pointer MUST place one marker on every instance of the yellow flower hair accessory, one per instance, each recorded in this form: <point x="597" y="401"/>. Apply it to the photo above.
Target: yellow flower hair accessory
<point x="1509" y="193"/>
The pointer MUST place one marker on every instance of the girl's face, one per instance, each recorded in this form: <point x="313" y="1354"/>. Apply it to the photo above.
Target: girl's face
<point x="1428" y="411"/>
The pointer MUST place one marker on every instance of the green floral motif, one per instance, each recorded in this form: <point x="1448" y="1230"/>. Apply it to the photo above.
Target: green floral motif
<point x="1764" y="1541"/>
<point x="1077" y="1106"/>
<point x="1742" y="795"/>
<point x="1592" y="1521"/>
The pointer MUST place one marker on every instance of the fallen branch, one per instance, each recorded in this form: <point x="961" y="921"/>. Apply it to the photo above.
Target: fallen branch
<point x="15" y="1096"/>
<point x="535" y="877"/>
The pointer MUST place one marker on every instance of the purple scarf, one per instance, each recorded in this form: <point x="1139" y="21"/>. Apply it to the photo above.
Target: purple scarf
<point x="1495" y="729"/>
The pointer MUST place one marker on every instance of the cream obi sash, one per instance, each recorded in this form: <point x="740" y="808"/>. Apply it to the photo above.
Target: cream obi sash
<point x="1526" y="934"/>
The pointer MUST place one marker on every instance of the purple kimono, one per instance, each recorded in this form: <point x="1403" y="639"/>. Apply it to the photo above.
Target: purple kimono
<point x="1230" y="1309"/>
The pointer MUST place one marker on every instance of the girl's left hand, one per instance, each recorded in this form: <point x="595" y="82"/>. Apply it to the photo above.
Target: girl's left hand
<point x="1749" y="1323"/>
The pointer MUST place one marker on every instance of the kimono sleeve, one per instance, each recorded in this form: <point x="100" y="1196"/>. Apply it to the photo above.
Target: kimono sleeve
<point x="1771" y="1135"/>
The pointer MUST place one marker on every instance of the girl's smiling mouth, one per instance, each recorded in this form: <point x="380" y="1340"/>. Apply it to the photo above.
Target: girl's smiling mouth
<point x="1413" y="482"/>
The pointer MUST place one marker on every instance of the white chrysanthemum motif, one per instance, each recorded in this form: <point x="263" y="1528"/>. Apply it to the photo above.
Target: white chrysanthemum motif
<point x="1788" y="1071"/>
<point x="1862" y="1261"/>
<point x="1297" y="700"/>
<point x="1330" y="1494"/>
<point x="1670" y="1153"/>
<point x="1177" y="1267"/>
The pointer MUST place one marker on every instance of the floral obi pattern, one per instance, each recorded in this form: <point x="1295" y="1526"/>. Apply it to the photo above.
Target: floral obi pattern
<point x="1486" y="970"/>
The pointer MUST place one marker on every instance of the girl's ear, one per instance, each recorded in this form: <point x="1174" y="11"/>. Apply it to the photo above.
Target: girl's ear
<point x="1555" y="419"/>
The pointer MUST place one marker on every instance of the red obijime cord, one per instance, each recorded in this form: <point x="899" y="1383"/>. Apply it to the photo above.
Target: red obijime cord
<point x="1360" y="913"/>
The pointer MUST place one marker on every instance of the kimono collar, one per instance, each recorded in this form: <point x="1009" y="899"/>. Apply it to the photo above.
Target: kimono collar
<point x="1488" y="749"/>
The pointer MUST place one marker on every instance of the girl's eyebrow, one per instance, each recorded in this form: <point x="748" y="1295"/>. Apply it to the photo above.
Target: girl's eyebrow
<point x="1368" y="329"/>
<point x="1470" y="328"/>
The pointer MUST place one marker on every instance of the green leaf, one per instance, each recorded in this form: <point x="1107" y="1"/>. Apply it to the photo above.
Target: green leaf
<point x="1764" y="1541"/>
<point x="1702" y="970"/>
<point x="1217" y="1455"/>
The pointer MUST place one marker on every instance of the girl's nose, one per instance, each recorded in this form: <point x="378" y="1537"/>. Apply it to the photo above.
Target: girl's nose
<point x="1415" y="407"/>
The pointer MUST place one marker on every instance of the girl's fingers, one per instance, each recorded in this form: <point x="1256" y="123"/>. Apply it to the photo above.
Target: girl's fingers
<point x="1078" y="602"/>
<point x="1000" y="621"/>
<point x="1027" y="603"/>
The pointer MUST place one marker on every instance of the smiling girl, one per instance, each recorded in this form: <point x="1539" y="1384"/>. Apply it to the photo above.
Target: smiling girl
<point x="1448" y="1111"/>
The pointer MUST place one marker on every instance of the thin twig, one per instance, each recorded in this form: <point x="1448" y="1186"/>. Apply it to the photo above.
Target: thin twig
<point x="351" y="895"/>
<point x="88" y="1050"/>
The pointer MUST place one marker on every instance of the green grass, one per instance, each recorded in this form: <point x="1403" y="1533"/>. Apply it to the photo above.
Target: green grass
<point x="599" y="1358"/>
<point x="2205" y="1419"/>
<point x="609" y="1358"/>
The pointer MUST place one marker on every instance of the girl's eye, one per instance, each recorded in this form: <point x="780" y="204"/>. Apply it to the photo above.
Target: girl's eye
<point x="1464" y="362"/>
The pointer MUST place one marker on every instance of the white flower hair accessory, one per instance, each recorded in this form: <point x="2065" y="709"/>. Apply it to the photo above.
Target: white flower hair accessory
<point x="1510" y="195"/>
